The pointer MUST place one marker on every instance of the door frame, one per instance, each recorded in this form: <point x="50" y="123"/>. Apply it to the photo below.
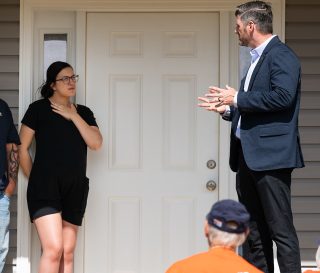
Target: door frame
<point x="229" y="63"/>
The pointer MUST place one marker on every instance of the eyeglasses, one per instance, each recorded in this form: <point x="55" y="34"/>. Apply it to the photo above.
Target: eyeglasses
<point x="66" y="79"/>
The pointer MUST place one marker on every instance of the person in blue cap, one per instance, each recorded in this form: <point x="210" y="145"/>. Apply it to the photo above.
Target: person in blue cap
<point x="226" y="228"/>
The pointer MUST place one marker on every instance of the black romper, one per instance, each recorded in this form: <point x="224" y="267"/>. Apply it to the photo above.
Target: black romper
<point x="57" y="181"/>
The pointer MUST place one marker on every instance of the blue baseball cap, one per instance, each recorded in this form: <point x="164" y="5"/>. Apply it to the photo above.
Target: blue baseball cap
<point x="229" y="216"/>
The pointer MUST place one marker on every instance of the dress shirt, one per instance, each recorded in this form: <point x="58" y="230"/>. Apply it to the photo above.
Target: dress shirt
<point x="255" y="56"/>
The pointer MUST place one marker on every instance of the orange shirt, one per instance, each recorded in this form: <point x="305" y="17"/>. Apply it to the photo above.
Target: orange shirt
<point x="216" y="260"/>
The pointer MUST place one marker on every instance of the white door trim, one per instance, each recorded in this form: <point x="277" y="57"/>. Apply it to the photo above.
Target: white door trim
<point x="228" y="74"/>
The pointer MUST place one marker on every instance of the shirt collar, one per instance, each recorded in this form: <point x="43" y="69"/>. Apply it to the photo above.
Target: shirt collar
<point x="257" y="52"/>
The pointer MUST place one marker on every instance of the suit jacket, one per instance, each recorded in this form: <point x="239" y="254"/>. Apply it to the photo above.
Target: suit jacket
<point x="269" y="112"/>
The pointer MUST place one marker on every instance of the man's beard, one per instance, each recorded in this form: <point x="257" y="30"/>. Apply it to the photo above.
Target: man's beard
<point x="243" y="42"/>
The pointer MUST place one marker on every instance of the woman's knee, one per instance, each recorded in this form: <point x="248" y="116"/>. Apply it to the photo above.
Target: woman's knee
<point x="68" y="254"/>
<point x="53" y="251"/>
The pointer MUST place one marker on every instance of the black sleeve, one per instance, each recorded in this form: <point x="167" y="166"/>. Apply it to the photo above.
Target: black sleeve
<point x="30" y="118"/>
<point x="87" y="115"/>
<point x="12" y="136"/>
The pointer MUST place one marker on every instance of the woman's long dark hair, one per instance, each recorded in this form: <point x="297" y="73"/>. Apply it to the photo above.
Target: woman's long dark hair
<point x="52" y="72"/>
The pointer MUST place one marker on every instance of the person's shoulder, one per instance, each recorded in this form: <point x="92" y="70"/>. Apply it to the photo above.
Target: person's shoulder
<point x="39" y="104"/>
<point x="4" y="107"/>
<point x="279" y="45"/>
<point x="84" y="110"/>
<point x="244" y="263"/>
<point x="3" y="104"/>
<point x="187" y="264"/>
<point x="279" y="51"/>
<point x="82" y="107"/>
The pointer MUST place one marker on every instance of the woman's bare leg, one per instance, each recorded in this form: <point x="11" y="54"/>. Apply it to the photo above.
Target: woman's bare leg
<point x="69" y="232"/>
<point x="49" y="228"/>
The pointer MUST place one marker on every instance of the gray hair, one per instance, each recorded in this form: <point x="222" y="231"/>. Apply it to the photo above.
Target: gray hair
<point x="217" y="237"/>
<point x="258" y="12"/>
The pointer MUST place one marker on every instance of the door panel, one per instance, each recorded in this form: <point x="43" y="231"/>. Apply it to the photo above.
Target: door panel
<point x="148" y="196"/>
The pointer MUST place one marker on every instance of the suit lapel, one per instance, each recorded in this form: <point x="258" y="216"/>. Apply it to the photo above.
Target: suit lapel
<point x="273" y="41"/>
<point x="256" y="70"/>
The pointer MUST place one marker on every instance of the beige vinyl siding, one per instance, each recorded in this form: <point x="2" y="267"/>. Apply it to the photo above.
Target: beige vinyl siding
<point x="303" y="36"/>
<point x="9" y="91"/>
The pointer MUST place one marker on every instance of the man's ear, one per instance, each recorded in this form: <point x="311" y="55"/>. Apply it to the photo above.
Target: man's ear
<point x="251" y="25"/>
<point x="206" y="229"/>
<point x="247" y="231"/>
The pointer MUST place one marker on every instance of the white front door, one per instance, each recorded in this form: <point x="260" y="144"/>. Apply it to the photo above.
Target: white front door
<point x="148" y="196"/>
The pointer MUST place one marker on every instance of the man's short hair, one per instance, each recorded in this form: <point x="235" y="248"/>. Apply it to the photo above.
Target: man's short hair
<point x="258" y="12"/>
<point x="217" y="237"/>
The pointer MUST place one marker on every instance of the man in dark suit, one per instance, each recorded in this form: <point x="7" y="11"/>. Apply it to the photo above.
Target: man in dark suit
<point x="265" y="144"/>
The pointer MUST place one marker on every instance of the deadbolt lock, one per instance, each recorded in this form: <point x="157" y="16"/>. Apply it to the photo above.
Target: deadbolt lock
<point x="211" y="185"/>
<point x="211" y="164"/>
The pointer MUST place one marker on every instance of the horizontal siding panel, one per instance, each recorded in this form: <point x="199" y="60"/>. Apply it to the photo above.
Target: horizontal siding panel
<point x="310" y="65"/>
<point x="311" y="152"/>
<point x="9" y="85"/>
<point x="310" y="100"/>
<point x="9" y="269"/>
<point x="13" y="219"/>
<point x="12" y="256"/>
<point x="15" y="115"/>
<point x="13" y="238"/>
<point x="309" y="117"/>
<point x="298" y="31"/>
<point x="302" y="2"/>
<point x="9" y="2"/>
<point x="13" y="199"/>
<point x="9" y="47"/>
<point x="9" y="81"/>
<point x="11" y="97"/>
<point x="306" y="205"/>
<point x="302" y="14"/>
<point x="307" y="222"/>
<point x="9" y="64"/>
<point x="310" y="82"/>
<point x="9" y="30"/>
<point x="305" y="49"/>
<point x="308" y="256"/>
<point x="310" y="171"/>
<point x="303" y="36"/>
<point x="308" y="239"/>
<point x="309" y="135"/>
<point x="305" y="187"/>
<point x="9" y="13"/>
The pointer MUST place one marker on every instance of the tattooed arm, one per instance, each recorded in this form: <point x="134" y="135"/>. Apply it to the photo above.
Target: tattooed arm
<point x="13" y="167"/>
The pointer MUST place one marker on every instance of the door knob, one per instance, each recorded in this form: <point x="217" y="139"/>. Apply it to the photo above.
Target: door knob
<point x="211" y="185"/>
<point x="211" y="164"/>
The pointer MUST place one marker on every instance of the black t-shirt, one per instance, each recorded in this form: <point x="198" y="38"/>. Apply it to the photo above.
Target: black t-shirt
<point x="60" y="149"/>
<point x="8" y="134"/>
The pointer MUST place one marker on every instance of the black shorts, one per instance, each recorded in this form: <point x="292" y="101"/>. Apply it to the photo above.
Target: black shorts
<point x="52" y="194"/>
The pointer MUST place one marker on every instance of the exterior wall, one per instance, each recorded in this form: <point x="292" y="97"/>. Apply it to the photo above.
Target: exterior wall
<point x="303" y="36"/>
<point x="9" y="85"/>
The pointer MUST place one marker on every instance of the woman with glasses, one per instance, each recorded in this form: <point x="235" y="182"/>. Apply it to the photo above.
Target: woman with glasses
<point x="58" y="186"/>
